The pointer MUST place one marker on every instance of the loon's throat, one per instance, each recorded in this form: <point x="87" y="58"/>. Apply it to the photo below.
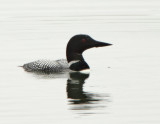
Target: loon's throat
<point x="77" y="62"/>
<point x="74" y="57"/>
<point x="78" y="65"/>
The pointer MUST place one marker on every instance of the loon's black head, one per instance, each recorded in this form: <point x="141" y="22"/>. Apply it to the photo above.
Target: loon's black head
<point x="78" y="44"/>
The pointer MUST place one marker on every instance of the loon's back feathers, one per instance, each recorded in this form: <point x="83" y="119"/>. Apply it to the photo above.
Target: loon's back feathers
<point x="75" y="61"/>
<point x="47" y="66"/>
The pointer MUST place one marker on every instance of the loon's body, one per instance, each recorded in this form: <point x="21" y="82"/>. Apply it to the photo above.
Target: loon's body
<point x="47" y="66"/>
<point x="75" y="61"/>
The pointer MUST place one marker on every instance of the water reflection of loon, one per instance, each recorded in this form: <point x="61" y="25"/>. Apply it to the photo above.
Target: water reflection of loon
<point x="78" y="99"/>
<point x="90" y="102"/>
<point x="75" y="88"/>
<point x="86" y="100"/>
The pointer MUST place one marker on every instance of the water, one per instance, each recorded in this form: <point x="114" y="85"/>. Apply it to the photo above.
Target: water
<point x="123" y="85"/>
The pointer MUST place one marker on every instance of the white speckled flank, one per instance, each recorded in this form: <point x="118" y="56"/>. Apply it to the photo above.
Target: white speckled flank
<point x="47" y="66"/>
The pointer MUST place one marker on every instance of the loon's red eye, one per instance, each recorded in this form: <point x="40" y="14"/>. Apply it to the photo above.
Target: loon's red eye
<point x="84" y="40"/>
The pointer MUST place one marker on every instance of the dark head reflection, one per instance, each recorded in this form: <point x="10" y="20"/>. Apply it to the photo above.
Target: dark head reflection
<point x="75" y="88"/>
<point x="76" y="95"/>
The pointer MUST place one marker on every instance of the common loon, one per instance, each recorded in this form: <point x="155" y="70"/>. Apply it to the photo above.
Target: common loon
<point x="75" y="61"/>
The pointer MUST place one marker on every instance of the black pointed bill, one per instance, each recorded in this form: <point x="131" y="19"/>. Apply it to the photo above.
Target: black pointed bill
<point x="101" y="44"/>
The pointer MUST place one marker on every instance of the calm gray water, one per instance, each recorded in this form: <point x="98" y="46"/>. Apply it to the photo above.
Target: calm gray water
<point x="124" y="83"/>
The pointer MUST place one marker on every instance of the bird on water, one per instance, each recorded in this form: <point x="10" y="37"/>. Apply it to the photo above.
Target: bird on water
<point x="74" y="62"/>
